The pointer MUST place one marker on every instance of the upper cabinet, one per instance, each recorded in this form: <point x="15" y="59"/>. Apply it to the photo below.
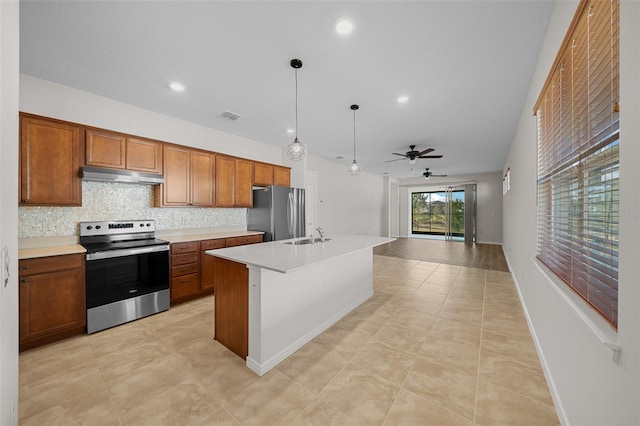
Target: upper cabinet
<point x="50" y="157"/>
<point x="188" y="178"/>
<point x="118" y="151"/>
<point x="234" y="182"/>
<point x="243" y="183"/>
<point x="263" y="174"/>
<point x="281" y="176"/>
<point x="270" y="174"/>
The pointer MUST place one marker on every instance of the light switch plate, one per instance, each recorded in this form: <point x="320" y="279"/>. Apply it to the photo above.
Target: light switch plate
<point x="5" y="265"/>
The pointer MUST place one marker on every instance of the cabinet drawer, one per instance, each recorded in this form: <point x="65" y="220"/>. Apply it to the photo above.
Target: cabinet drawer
<point x="189" y="268"/>
<point x="212" y="244"/>
<point x="240" y="241"/>
<point x="180" y="248"/>
<point x="185" y="286"/>
<point x="182" y="259"/>
<point x="48" y="264"/>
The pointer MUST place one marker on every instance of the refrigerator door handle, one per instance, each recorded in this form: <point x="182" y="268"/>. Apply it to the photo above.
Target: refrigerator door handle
<point x="291" y="216"/>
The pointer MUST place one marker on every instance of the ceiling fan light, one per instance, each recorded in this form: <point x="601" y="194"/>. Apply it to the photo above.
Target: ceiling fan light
<point x="296" y="150"/>
<point x="412" y="161"/>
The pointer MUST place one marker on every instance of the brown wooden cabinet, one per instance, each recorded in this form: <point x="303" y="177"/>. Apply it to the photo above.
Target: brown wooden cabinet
<point x="185" y="271"/>
<point x="281" y="176"/>
<point x="50" y="157"/>
<point x="262" y="174"/>
<point x="244" y="240"/>
<point x="188" y="178"/>
<point x="243" y="183"/>
<point x="207" y="280"/>
<point x="234" y="182"/>
<point x="118" y="151"/>
<point x="232" y="306"/>
<point x="52" y="299"/>
<point x="144" y="155"/>
<point x="225" y="172"/>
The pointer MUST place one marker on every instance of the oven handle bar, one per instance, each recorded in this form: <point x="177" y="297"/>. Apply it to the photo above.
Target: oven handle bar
<point x="126" y="252"/>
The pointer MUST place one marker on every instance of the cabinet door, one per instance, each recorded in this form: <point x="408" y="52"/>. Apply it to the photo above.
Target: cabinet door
<point x="281" y="176"/>
<point x="202" y="175"/>
<point x="225" y="172"/>
<point x="105" y="149"/>
<point x="232" y="306"/>
<point x="243" y="184"/>
<point x="49" y="163"/>
<point x="144" y="155"/>
<point x="51" y="304"/>
<point x="262" y="174"/>
<point x="207" y="281"/>
<point x="175" y="191"/>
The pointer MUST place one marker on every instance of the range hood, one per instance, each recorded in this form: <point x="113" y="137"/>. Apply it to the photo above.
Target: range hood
<point x="98" y="174"/>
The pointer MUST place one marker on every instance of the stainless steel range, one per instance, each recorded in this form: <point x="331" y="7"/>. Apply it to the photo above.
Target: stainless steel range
<point x="127" y="272"/>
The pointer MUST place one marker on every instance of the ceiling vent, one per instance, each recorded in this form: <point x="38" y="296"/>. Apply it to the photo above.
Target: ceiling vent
<point x="230" y="115"/>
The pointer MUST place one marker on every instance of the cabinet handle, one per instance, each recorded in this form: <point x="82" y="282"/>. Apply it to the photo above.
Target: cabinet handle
<point x="25" y="200"/>
<point x="24" y="280"/>
<point x="22" y="268"/>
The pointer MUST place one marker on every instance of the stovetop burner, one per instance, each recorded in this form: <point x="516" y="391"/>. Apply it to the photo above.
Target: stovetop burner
<point x="118" y="235"/>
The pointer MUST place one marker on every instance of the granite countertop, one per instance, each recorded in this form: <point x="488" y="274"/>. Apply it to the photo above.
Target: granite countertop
<point x="281" y="257"/>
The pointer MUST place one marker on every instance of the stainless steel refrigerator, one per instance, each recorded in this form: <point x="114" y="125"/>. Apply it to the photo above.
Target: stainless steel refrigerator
<point x="278" y="211"/>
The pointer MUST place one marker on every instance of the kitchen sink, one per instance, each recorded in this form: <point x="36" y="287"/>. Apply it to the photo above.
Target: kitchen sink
<point x="307" y="241"/>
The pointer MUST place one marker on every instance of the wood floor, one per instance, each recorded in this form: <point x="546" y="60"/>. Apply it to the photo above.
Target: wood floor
<point x="483" y="256"/>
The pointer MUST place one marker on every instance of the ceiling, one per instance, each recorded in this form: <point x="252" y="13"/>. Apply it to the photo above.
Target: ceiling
<point x="465" y="66"/>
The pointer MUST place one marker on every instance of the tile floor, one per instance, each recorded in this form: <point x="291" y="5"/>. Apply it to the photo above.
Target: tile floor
<point x="437" y="344"/>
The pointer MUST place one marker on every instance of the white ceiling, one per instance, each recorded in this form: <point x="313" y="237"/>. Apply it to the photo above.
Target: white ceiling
<point x="466" y="66"/>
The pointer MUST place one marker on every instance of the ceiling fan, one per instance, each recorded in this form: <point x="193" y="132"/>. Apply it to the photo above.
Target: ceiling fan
<point x="427" y="174"/>
<point x="413" y="154"/>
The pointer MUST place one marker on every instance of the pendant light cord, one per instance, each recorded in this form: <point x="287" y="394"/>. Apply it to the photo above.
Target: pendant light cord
<point x="354" y="135"/>
<point x="296" y="74"/>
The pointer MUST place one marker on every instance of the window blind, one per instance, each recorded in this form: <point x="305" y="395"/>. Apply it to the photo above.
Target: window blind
<point x="578" y="158"/>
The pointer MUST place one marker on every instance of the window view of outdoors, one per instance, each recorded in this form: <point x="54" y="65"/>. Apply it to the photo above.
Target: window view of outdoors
<point x="429" y="213"/>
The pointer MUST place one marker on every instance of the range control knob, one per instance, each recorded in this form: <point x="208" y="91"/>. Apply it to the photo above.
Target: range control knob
<point x="97" y="226"/>
<point x="141" y="225"/>
<point x="89" y="227"/>
<point x="148" y="224"/>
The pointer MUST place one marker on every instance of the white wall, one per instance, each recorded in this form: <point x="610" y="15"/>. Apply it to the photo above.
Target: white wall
<point x="588" y="385"/>
<point x="489" y="202"/>
<point x="348" y="204"/>
<point x="49" y="99"/>
<point x="9" y="66"/>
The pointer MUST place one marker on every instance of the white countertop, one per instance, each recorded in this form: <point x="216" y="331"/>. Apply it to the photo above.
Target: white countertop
<point x="280" y="257"/>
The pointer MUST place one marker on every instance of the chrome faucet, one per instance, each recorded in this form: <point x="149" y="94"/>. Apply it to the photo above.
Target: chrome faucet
<point x="321" y="232"/>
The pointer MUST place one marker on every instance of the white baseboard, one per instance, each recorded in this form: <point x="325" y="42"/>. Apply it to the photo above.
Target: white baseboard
<point x="261" y="369"/>
<point x="557" y="402"/>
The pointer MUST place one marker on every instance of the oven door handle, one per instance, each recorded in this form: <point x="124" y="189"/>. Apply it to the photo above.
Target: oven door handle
<point x="126" y="252"/>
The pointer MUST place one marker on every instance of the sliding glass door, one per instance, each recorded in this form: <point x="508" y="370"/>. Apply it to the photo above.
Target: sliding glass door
<point x="438" y="213"/>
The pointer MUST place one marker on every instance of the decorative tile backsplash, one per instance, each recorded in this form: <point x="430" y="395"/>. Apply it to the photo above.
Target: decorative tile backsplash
<point x="120" y="201"/>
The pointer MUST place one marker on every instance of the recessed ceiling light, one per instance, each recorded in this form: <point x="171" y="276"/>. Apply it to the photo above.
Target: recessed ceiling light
<point x="403" y="99"/>
<point x="291" y="130"/>
<point x="344" y="26"/>
<point x="177" y="86"/>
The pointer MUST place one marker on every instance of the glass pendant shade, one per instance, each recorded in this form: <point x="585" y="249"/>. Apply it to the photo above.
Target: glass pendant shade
<point x="354" y="169"/>
<point x="296" y="150"/>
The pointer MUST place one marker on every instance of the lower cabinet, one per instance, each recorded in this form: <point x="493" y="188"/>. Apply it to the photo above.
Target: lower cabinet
<point x="193" y="271"/>
<point x="185" y="271"/>
<point x="52" y="299"/>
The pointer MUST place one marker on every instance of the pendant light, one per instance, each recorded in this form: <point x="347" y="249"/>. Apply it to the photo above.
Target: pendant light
<point x="295" y="149"/>
<point x="354" y="169"/>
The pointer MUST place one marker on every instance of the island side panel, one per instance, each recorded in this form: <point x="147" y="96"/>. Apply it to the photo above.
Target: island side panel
<point x="286" y="311"/>
<point x="231" y="305"/>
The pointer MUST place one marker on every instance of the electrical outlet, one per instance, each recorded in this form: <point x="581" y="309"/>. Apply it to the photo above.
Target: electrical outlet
<point x="184" y="221"/>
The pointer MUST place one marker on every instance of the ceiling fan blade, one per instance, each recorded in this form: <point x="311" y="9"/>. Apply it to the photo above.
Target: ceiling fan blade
<point x="397" y="159"/>
<point x="438" y="175"/>
<point x="402" y="155"/>
<point x="426" y="151"/>
<point x="430" y="156"/>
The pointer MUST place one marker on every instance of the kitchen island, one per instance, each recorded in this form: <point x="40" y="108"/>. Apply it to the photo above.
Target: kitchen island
<point x="273" y="298"/>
